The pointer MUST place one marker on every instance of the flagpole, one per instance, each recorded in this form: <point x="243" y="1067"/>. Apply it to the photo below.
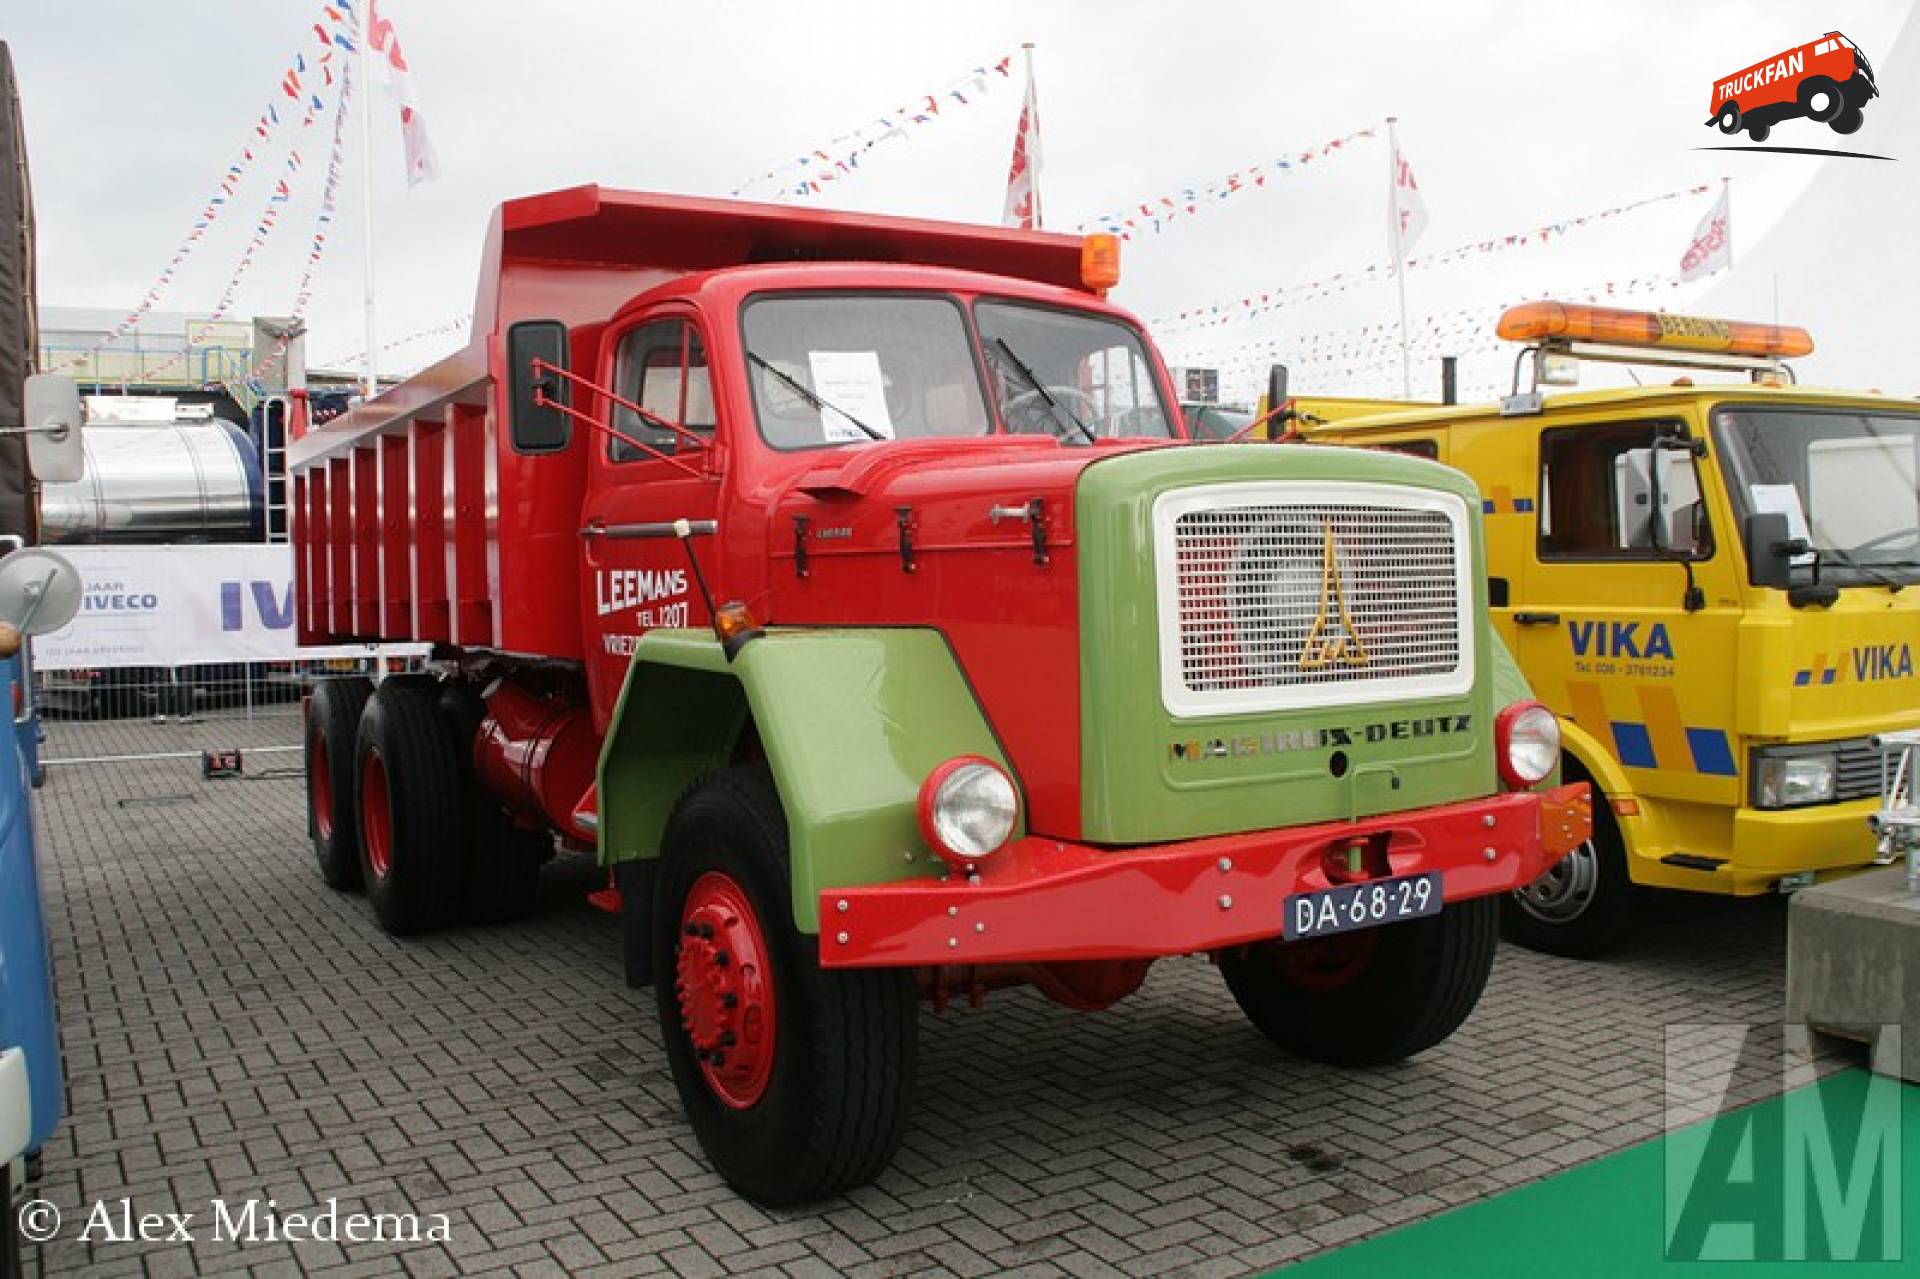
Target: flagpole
<point x="1033" y="158"/>
<point x="1399" y="265"/>
<point x="370" y="385"/>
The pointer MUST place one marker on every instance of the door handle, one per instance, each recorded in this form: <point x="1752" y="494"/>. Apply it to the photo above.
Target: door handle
<point x="1537" y="619"/>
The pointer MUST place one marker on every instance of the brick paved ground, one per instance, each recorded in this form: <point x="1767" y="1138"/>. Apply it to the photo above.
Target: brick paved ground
<point x="234" y="1029"/>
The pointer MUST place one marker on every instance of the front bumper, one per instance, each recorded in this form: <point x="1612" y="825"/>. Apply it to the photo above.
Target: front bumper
<point x="1043" y="900"/>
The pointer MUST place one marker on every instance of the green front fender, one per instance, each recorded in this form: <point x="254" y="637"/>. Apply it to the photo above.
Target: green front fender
<point x="851" y="721"/>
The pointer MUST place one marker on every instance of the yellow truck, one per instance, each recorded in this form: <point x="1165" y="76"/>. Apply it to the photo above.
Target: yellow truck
<point x="1715" y="584"/>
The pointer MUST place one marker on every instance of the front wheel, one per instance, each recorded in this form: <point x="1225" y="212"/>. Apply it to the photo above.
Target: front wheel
<point x="1370" y="997"/>
<point x="796" y="1079"/>
<point x="1729" y="118"/>
<point x="1848" y="121"/>
<point x="1579" y="908"/>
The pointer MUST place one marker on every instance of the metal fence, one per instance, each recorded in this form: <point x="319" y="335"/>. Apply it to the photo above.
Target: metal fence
<point x="212" y="717"/>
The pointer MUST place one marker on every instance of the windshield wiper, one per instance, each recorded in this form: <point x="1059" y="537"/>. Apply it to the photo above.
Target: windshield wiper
<point x="806" y="393"/>
<point x="1869" y="568"/>
<point x="1060" y="412"/>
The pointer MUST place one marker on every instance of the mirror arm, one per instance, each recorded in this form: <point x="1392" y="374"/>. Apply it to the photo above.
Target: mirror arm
<point x="543" y="400"/>
<point x="55" y="430"/>
<point x="653" y="419"/>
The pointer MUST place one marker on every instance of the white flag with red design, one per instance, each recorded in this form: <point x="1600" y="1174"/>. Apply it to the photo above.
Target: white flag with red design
<point x="423" y="164"/>
<point x="1712" y="246"/>
<point x="1023" y="178"/>
<point x="1409" y="210"/>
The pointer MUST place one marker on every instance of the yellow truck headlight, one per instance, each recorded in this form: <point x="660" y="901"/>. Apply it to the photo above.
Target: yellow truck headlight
<point x="1793" y="778"/>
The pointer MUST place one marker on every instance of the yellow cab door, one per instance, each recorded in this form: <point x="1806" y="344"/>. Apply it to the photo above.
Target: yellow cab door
<point x="1629" y="628"/>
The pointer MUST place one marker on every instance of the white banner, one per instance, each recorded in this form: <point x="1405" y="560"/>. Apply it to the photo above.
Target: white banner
<point x="184" y="606"/>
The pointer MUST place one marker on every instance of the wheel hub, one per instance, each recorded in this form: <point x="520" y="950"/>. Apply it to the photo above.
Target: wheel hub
<point x="725" y="991"/>
<point x="320" y="776"/>
<point x="376" y="821"/>
<point x="1566" y="890"/>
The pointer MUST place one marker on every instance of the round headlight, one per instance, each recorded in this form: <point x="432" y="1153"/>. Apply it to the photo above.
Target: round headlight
<point x="1527" y="742"/>
<point x="968" y="808"/>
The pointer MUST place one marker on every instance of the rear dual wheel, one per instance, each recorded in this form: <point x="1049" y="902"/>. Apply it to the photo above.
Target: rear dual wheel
<point x="796" y="1079"/>
<point x="411" y="857"/>
<point x="332" y="724"/>
<point x="1370" y="997"/>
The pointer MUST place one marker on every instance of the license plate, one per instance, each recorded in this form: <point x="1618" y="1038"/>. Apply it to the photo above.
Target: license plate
<point x="1365" y="905"/>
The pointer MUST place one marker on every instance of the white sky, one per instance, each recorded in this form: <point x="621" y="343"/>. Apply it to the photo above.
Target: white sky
<point x="1511" y="114"/>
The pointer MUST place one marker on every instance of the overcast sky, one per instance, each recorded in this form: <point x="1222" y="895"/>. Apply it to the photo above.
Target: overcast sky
<point x="1511" y="115"/>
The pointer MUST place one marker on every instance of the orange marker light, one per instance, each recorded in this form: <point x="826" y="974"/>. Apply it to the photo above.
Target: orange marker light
<point x="1537" y="321"/>
<point x="731" y="621"/>
<point x="1100" y="262"/>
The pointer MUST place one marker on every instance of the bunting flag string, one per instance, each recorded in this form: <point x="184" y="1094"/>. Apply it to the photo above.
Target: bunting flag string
<point x="299" y="85"/>
<point x="1338" y="282"/>
<point x="1464" y="331"/>
<point x="459" y="324"/>
<point x="840" y="158"/>
<point x="1154" y="212"/>
<point x="317" y="242"/>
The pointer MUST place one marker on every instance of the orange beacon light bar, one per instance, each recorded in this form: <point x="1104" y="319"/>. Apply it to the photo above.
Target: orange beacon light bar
<point x="1570" y="322"/>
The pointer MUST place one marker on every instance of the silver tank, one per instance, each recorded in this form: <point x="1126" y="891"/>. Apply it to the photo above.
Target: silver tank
<point x="157" y="472"/>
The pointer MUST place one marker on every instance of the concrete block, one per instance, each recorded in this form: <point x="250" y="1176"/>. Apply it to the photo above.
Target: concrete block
<point x="1853" y="967"/>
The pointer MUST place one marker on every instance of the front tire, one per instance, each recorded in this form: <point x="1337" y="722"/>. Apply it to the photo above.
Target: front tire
<point x="1579" y="909"/>
<point x="1729" y="118"/>
<point x="408" y="794"/>
<point x="796" y="1079"/>
<point x="1371" y="997"/>
<point x="1848" y="120"/>
<point x="332" y="724"/>
<point x="1821" y="98"/>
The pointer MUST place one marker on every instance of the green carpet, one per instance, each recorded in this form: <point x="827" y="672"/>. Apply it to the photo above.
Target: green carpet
<point x="1610" y="1217"/>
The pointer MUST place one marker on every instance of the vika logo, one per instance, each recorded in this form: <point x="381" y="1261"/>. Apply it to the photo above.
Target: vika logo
<point x="1827" y="81"/>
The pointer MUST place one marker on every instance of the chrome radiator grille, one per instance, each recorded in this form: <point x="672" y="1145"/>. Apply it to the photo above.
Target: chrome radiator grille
<point x="1277" y="601"/>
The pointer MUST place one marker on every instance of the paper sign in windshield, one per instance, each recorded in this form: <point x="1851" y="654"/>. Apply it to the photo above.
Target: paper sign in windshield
<point x="853" y="393"/>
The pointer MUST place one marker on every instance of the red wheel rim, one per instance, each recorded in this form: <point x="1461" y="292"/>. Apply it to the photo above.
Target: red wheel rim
<point x="376" y="822"/>
<point x="320" y="785"/>
<point x="1324" y="963"/>
<point x="724" y="985"/>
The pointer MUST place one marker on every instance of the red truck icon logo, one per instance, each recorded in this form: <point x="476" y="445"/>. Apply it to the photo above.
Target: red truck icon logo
<point x="1827" y="80"/>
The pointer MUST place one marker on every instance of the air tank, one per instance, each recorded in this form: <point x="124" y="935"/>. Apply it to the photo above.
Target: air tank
<point x="157" y="471"/>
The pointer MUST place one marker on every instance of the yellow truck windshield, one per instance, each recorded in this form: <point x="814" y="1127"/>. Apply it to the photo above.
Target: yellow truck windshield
<point x="1847" y="481"/>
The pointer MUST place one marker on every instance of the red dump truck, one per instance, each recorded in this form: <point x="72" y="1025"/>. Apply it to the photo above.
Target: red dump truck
<point x="843" y="584"/>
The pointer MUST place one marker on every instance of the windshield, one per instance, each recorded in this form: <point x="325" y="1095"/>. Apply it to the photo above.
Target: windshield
<point x="836" y="368"/>
<point x="1067" y="373"/>
<point x="1210" y="422"/>
<point x="1845" y="480"/>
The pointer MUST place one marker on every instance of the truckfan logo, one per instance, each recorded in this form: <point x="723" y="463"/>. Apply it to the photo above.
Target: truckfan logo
<point x="1827" y="81"/>
<point x="1342" y="647"/>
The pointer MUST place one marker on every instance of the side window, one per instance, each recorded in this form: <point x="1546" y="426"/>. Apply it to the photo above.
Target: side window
<point x="663" y="368"/>
<point x="1596" y="495"/>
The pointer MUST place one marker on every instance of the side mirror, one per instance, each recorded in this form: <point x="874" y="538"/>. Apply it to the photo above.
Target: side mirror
<point x="52" y="427"/>
<point x="535" y="425"/>
<point x="39" y="591"/>
<point x="1768" y="541"/>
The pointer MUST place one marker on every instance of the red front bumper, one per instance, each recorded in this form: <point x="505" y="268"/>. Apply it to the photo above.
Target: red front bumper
<point x="1042" y="900"/>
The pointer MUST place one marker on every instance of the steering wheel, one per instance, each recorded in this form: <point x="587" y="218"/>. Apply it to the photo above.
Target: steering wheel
<point x="1029" y="413"/>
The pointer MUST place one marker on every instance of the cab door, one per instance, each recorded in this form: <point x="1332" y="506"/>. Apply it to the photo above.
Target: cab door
<point x="637" y="571"/>
<point x="1608" y="630"/>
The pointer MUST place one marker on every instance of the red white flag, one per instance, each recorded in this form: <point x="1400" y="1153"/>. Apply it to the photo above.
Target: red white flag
<point x="1409" y="210"/>
<point x="1023" y="178"/>
<point x="423" y="163"/>
<point x="1712" y="246"/>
